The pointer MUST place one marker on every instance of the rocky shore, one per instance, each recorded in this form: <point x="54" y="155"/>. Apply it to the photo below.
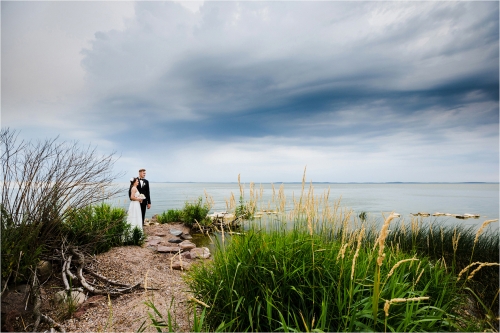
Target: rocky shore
<point x="159" y="266"/>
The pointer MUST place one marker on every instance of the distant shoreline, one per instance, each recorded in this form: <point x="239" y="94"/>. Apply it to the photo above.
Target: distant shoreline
<point x="160" y="182"/>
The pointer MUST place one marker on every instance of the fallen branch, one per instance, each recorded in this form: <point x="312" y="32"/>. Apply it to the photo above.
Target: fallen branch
<point x="36" y="309"/>
<point x="87" y="286"/>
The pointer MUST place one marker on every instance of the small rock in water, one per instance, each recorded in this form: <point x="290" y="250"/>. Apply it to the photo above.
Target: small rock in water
<point x="186" y="236"/>
<point x="176" y="232"/>
<point x="175" y="240"/>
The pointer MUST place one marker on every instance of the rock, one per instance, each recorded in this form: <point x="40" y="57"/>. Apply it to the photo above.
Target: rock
<point x="14" y="305"/>
<point x="181" y="265"/>
<point x="168" y="249"/>
<point x="161" y="234"/>
<point x="186" y="236"/>
<point x="200" y="252"/>
<point x="187" y="245"/>
<point x="176" y="232"/>
<point x="76" y="296"/>
<point x="175" y="240"/>
<point x="438" y="214"/>
<point x="153" y="242"/>
<point x="424" y="214"/>
<point x="186" y="255"/>
<point x="44" y="269"/>
<point x="150" y="238"/>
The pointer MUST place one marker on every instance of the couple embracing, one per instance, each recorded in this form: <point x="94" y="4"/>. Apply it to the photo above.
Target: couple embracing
<point x="139" y="200"/>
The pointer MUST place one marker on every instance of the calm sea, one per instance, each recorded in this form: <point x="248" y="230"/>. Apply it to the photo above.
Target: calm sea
<point x="375" y="199"/>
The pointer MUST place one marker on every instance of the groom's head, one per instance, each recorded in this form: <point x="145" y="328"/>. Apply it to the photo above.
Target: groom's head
<point x="142" y="173"/>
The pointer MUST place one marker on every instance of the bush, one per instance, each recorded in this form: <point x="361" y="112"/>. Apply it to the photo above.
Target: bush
<point x="195" y="211"/>
<point x="172" y="215"/>
<point x="100" y="227"/>
<point x="40" y="181"/>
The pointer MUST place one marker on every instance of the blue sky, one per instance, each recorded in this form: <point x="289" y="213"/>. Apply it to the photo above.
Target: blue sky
<point x="204" y="91"/>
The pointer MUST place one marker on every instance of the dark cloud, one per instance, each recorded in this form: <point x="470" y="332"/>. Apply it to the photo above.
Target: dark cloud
<point x="308" y="78"/>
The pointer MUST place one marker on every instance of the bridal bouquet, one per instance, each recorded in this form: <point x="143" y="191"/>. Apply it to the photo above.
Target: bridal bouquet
<point x="142" y="196"/>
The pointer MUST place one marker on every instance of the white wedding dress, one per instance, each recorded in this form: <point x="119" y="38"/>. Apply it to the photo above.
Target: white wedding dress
<point x="134" y="216"/>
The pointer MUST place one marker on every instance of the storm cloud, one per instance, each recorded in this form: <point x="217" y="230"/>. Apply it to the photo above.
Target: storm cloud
<point x="357" y="91"/>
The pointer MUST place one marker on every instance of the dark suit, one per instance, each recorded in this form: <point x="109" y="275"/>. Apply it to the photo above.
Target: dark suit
<point x="144" y="189"/>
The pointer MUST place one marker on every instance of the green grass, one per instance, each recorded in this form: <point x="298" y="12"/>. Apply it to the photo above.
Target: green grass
<point x="285" y="279"/>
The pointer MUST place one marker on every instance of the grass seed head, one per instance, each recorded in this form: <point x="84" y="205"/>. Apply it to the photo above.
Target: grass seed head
<point x="480" y="231"/>
<point x="399" y="263"/>
<point x="486" y="264"/>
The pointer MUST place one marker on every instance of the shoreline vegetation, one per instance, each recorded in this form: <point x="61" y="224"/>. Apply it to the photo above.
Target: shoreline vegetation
<point x="317" y="267"/>
<point x="320" y="267"/>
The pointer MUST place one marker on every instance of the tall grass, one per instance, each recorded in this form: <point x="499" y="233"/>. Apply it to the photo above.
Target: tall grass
<point x="320" y="268"/>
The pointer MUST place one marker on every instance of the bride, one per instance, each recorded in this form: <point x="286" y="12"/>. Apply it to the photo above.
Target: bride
<point x="134" y="217"/>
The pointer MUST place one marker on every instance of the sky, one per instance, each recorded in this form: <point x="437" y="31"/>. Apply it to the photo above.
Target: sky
<point x="204" y="91"/>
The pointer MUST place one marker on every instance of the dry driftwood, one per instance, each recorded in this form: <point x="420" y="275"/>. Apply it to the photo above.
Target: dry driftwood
<point x="36" y="309"/>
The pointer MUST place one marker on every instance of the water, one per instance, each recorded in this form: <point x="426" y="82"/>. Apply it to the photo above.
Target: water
<point x="375" y="199"/>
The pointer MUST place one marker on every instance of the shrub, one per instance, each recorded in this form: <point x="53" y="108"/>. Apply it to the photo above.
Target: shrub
<point x="40" y="181"/>
<point x="245" y="210"/>
<point x="100" y="227"/>
<point x="171" y="215"/>
<point x="195" y="211"/>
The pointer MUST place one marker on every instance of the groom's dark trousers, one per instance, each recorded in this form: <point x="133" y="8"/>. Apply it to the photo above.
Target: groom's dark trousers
<point x="143" y="188"/>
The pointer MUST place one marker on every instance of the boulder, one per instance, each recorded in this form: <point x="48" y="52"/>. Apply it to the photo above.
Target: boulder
<point x="186" y="255"/>
<point x="181" y="265"/>
<point x="168" y="249"/>
<point x="76" y="296"/>
<point x="200" y="252"/>
<point x="187" y="245"/>
<point x="44" y="269"/>
<point x="186" y="236"/>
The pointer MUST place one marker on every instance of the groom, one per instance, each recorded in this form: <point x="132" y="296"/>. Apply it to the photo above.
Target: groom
<point x="143" y="188"/>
